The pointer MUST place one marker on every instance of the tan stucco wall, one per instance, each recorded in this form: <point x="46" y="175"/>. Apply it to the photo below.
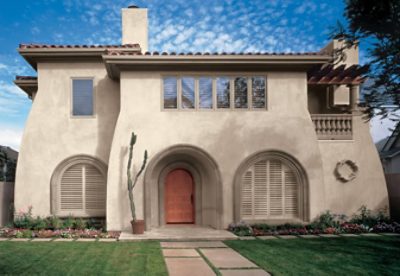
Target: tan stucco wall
<point x="51" y="135"/>
<point x="228" y="136"/>
<point x="369" y="187"/>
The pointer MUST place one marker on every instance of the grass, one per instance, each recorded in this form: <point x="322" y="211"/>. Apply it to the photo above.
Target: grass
<point x="324" y="256"/>
<point x="81" y="258"/>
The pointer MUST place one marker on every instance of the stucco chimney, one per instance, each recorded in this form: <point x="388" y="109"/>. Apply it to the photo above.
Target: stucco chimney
<point x="134" y="27"/>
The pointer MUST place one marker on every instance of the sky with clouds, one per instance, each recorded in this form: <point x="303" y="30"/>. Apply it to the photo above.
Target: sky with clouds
<point x="182" y="25"/>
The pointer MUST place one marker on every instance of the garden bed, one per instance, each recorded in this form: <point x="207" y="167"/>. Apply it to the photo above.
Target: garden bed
<point x="27" y="226"/>
<point x="326" y="223"/>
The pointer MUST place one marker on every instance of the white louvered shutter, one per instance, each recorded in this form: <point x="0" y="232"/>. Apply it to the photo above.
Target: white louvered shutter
<point x="71" y="194"/>
<point x="269" y="190"/>
<point x="82" y="191"/>
<point x="95" y="189"/>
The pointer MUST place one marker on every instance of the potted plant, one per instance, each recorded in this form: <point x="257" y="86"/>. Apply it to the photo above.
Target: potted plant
<point x="137" y="225"/>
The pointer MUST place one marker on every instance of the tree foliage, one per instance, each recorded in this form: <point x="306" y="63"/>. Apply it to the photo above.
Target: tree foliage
<point x="377" y="24"/>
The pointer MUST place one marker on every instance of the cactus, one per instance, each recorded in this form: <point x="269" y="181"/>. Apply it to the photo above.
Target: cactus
<point x="132" y="182"/>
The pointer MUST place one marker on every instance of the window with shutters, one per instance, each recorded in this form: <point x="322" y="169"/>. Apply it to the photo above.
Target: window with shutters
<point x="214" y="92"/>
<point x="79" y="188"/>
<point x="270" y="189"/>
<point x="82" y="97"/>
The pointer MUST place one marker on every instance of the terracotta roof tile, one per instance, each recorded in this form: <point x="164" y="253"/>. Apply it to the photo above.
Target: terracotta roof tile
<point x="328" y="74"/>
<point x="50" y="46"/>
<point x="156" y="53"/>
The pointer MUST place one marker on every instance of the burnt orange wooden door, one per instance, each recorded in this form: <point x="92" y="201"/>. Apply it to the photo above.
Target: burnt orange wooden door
<point x="179" y="197"/>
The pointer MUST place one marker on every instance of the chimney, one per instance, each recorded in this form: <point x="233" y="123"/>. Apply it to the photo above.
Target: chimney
<point x="134" y="27"/>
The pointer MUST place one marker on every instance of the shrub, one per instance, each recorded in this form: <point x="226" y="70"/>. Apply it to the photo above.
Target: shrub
<point x="387" y="227"/>
<point x="79" y="224"/>
<point x="241" y="229"/>
<point x="40" y="223"/>
<point x="55" y="223"/>
<point x="69" y="222"/>
<point x="24" y="219"/>
<point x="326" y="220"/>
<point x="366" y="217"/>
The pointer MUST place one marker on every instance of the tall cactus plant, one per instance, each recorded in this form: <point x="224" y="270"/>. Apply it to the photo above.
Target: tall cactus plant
<point x="132" y="181"/>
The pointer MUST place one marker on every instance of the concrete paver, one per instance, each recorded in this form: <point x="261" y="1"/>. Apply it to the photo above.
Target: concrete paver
<point x="107" y="240"/>
<point x="64" y="240"/>
<point x="4" y="239"/>
<point x="349" y="235"/>
<point x="180" y="253"/>
<point x="188" y="266"/>
<point x="287" y="237"/>
<point x="42" y="239"/>
<point x="309" y="236"/>
<point x="244" y="272"/>
<point x="20" y="239"/>
<point x="329" y="236"/>
<point x="200" y="244"/>
<point x="85" y="240"/>
<point x="391" y="234"/>
<point x="267" y="237"/>
<point x="226" y="258"/>
<point x="370" y="235"/>
<point x="247" y="238"/>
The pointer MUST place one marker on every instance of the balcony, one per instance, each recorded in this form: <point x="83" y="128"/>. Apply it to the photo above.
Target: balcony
<point x="333" y="126"/>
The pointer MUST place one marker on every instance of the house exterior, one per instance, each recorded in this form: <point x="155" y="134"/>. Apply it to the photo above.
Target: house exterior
<point x="266" y="137"/>
<point x="389" y="151"/>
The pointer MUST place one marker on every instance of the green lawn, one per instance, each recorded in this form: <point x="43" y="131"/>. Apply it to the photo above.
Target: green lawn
<point x="81" y="258"/>
<point x="324" y="256"/>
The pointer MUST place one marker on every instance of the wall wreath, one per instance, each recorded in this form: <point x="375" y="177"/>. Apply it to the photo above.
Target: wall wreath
<point x="346" y="170"/>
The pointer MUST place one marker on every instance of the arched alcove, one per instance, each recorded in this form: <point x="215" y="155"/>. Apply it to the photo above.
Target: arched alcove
<point x="271" y="187"/>
<point x="208" y="186"/>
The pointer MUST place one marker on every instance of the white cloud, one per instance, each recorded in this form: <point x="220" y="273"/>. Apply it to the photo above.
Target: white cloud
<point x="10" y="137"/>
<point x="382" y="128"/>
<point x="11" y="89"/>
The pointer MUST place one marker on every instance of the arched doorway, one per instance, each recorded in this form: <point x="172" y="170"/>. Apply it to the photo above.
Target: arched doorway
<point x="207" y="188"/>
<point x="179" y="197"/>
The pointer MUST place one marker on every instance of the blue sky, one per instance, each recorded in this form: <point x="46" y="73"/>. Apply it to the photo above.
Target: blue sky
<point x="257" y="25"/>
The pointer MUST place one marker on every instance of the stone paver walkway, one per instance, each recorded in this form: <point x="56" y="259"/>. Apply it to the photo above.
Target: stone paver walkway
<point x="205" y="258"/>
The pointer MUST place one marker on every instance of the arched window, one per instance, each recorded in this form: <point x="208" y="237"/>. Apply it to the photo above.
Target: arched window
<point x="271" y="188"/>
<point x="79" y="188"/>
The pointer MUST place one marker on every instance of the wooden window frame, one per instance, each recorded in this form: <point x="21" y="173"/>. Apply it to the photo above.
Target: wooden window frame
<point x="214" y="77"/>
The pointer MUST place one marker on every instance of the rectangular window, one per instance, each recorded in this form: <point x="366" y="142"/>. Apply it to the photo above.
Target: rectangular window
<point x="258" y="92"/>
<point x="223" y="92"/>
<point x="241" y="92"/>
<point x="170" y="92"/>
<point x="188" y="95"/>
<point x="82" y="97"/>
<point x="205" y="93"/>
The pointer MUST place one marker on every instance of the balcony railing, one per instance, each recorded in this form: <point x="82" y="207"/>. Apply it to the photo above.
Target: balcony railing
<point x="333" y="126"/>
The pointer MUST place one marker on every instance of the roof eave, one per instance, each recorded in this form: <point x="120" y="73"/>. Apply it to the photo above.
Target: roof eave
<point x="116" y="63"/>
<point x="28" y="86"/>
<point x="35" y="55"/>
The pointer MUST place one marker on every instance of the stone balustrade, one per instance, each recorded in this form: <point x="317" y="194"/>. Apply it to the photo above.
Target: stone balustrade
<point x="333" y="126"/>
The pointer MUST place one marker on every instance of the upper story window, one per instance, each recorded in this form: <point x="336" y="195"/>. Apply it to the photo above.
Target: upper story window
<point x="82" y="97"/>
<point x="219" y="92"/>
<point x="170" y="93"/>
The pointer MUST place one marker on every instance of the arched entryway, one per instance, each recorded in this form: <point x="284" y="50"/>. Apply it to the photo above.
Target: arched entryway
<point x="179" y="197"/>
<point x="207" y="186"/>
